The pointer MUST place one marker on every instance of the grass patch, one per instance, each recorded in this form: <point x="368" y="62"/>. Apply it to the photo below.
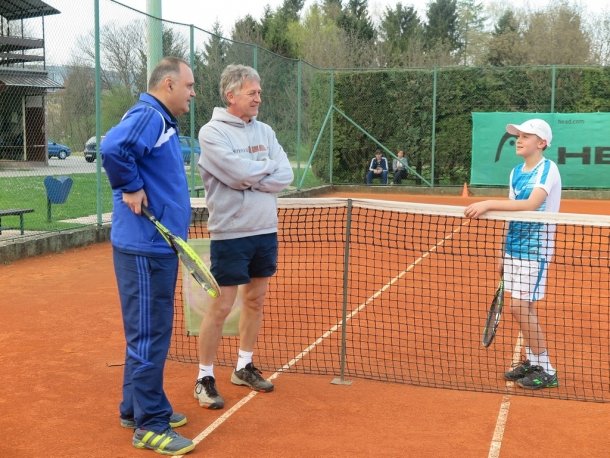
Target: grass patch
<point x="29" y="192"/>
<point x="310" y="180"/>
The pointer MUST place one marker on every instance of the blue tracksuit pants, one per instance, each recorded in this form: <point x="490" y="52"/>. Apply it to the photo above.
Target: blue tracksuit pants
<point x="146" y="287"/>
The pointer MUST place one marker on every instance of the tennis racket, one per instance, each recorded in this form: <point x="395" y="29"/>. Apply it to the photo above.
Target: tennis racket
<point x="494" y="315"/>
<point x="189" y="258"/>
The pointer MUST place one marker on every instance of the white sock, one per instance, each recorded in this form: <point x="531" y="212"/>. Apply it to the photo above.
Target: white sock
<point x="244" y="358"/>
<point x="531" y="356"/>
<point x="205" y="371"/>
<point x="545" y="362"/>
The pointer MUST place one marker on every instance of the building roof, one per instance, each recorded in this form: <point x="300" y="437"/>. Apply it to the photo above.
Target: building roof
<point x="23" y="9"/>
<point x="28" y="79"/>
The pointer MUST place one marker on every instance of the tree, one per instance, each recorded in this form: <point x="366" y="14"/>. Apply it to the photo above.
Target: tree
<point x="123" y="76"/>
<point x="174" y="44"/>
<point x="599" y="33"/>
<point x="76" y="105"/>
<point x="557" y="36"/>
<point x="115" y="102"/>
<point x="470" y="28"/>
<point x="401" y="36"/>
<point x="248" y="30"/>
<point x="291" y="9"/>
<point x="319" y="40"/>
<point x="553" y="36"/>
<point x="124" y="52"/>
<point x="505" y="46"/>
<point x="442" y="26"/>
<point x="275" y="25"/>
<point x="359" y="33"/>
<point x="332" y="9"/>
<point x="355" y="20"/>
<point x="122" y="48"/>
<point x="209" y="64"/>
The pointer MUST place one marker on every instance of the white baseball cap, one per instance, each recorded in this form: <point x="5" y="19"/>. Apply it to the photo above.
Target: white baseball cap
<point x="533" y="126"/>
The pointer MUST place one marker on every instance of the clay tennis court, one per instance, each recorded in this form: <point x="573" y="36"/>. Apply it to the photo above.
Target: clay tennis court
<point x="62" y="352"/>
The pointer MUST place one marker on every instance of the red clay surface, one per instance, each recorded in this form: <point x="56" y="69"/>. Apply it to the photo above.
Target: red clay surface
<point x="61" y="350"/>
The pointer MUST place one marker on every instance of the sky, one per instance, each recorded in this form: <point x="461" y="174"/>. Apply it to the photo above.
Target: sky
<point x="77" y="15"/>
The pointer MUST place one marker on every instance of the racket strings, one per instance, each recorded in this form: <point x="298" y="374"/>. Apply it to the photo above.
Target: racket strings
<point x="189" y="258"/>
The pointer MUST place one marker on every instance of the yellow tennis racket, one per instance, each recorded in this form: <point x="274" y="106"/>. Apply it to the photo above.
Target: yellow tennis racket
<point x="189" y="258"/>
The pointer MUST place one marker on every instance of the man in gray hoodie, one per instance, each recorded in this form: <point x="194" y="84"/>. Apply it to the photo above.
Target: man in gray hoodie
<point x="243" y="168"/>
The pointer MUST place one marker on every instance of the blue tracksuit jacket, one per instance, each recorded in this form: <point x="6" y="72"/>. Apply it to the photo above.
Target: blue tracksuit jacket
<point x="143" y="151"/>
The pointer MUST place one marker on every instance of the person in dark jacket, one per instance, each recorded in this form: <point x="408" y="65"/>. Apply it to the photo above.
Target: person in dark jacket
<point x="378" y="168"/>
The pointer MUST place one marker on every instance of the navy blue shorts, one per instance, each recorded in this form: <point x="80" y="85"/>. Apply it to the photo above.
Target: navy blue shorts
<point x="236" y="261"/>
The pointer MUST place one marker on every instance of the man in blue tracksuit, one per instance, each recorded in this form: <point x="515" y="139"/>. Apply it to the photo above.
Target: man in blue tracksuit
<point x="378" y="168"/>
<point x="144" y="164"/>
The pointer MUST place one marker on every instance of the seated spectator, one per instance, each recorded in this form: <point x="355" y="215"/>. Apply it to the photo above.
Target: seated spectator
<point x="378" y="168"/>
<point x="400" y="166"/>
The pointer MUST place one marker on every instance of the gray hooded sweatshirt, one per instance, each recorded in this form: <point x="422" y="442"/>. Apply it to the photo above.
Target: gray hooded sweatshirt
<point x="243" y="168"/>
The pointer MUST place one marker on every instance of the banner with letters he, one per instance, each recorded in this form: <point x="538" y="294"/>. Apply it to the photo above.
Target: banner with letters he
<point x="580" y="147"/>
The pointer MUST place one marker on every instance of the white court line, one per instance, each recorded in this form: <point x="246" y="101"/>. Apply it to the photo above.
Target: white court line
<point x="225" y="416"/>
<point x="496" y="441"/>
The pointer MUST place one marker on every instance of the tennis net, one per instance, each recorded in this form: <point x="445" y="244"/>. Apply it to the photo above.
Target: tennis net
<point x="399" y="292"/>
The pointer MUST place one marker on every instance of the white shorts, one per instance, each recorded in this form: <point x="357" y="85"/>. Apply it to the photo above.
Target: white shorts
<point x="525" y="279"/>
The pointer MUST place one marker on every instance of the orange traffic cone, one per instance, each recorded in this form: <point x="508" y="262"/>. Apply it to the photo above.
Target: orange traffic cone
<point x="465" y="192"/>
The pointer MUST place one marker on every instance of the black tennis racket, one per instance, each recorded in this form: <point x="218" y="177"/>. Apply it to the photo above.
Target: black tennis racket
<point x="494" y="315"/>
<point x="189" y="258"/>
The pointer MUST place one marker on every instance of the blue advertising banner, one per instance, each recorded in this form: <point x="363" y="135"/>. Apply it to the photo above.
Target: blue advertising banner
<point x="580" y="147"/>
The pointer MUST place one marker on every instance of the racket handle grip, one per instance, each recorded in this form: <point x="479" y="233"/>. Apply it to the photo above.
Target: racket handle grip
<point x="146" y="212"/>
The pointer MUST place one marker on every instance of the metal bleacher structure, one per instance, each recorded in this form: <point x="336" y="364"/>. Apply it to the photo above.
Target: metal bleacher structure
<point x="24" y="80"/>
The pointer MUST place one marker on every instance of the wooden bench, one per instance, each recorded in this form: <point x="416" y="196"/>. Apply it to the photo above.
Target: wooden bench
<point x="198" y="190"/>
<point x="15" y="212"/>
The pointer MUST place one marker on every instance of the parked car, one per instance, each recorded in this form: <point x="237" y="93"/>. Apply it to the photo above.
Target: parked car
<point x="58" y="150"/>
<point x="89" y="151"/>
<point x="185" y="147"/>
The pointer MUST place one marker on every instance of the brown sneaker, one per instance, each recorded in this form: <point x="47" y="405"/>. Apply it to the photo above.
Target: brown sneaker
<point x="251" y="376"/>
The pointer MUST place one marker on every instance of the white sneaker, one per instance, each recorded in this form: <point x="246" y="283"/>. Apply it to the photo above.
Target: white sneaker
<point x="207" y="395"/>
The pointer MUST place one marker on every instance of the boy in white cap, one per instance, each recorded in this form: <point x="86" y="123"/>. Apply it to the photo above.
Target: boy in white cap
<point x="533" y="185"/>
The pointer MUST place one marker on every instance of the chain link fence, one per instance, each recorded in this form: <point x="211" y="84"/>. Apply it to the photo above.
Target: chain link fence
<point x="58" y="96"/>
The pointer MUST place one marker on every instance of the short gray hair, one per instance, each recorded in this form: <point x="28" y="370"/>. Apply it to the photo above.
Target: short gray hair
<point x="233" y="77"/>
<point x="168" y="66"/>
